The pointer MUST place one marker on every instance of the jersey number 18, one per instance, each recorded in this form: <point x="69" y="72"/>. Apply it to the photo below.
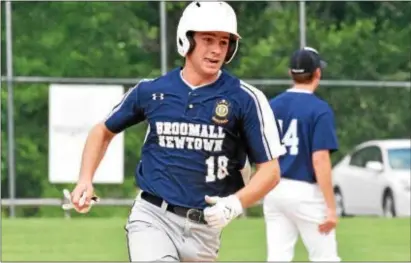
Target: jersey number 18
<point x="221" y="173"/>
<point x="290" y="138"/>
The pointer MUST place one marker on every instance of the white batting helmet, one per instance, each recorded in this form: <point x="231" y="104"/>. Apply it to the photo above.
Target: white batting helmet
<point x="207" y="16"/>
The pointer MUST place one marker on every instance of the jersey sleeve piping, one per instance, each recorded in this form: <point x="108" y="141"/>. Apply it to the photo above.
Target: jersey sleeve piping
<point x="262" y="112"/>
<point x="118" y="107"/>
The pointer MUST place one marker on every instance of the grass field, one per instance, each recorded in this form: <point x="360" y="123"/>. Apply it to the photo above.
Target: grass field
<point x="103" y="239"/>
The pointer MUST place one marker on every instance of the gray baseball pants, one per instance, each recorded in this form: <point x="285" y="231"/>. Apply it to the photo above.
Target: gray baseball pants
<point x="155" y="234"/>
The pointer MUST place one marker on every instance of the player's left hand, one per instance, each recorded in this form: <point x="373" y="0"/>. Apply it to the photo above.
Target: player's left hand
<point x="329" y="224"/>
<point x="222" y="211"/>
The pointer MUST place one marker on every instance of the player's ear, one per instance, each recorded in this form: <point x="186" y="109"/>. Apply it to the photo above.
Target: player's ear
<point x="318" y="73"/>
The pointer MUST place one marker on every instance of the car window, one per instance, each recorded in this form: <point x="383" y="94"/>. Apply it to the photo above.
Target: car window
<point x="364" y="155"/>
<point x="400" y="159"/>
<point x="357" y="158"/>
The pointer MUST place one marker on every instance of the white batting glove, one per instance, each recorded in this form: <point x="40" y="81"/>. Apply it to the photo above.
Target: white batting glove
<point x="70" y="205"/>
<point x="222" y="211"/>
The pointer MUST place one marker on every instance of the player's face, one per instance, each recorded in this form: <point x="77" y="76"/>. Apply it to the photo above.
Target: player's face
<point x="209" y="52"/>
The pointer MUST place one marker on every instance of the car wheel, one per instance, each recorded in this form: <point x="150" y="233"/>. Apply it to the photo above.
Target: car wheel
<point x="339" y="203"/>
<point x="388" y="205"/>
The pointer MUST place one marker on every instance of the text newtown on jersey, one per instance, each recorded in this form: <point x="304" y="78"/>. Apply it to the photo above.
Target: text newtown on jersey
<point x="181" y="135"/>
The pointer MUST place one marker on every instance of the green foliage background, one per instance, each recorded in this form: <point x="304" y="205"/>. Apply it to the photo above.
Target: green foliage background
<point x="360" y="40"/>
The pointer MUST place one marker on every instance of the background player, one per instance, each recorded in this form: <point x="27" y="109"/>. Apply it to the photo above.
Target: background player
<point x="303" y="202"/>
<point x="199" y="117"/>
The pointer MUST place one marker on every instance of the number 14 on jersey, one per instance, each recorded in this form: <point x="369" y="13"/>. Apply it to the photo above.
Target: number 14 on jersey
<point x="290" y="138"/>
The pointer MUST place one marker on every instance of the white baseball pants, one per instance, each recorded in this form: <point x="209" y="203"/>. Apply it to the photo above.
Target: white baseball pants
<point x="154" y="234"/>
<point x="294" y="208"/>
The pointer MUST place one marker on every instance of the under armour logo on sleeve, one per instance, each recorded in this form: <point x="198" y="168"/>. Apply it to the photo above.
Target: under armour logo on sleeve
<point x="158" y="96"/>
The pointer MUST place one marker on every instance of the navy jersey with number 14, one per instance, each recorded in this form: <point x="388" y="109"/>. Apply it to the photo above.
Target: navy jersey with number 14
<point x="307" y="125"/>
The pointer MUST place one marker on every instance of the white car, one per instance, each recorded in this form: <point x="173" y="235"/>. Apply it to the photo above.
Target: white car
<point x="374" y="179"/>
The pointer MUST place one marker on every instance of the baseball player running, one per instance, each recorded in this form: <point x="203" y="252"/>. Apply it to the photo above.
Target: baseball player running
<point x="303" y="202"/>
<point x="202" y="122"/>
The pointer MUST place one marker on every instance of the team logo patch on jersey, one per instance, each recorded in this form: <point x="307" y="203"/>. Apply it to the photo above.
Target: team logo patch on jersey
<point x="221" y="111"/>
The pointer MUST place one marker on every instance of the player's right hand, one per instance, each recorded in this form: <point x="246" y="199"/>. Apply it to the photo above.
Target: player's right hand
<point x="330" y="222"/>
<point x="81" y="198"/>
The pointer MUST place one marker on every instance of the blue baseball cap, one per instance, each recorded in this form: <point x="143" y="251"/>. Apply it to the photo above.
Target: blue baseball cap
<point x="306" y="60"/>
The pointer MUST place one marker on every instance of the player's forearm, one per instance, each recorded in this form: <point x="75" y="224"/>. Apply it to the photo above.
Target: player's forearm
<point x="322" y="169"/>
<point x="96" y="145"/>
<point x="263" y="181"/>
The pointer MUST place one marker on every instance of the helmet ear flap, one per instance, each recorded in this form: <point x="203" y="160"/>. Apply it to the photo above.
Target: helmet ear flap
<point x="232" y="48"/>
<point x="190" y="37"/>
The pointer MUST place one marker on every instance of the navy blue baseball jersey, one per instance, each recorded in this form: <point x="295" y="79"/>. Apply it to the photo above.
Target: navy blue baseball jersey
<point x="307" y="125"/>
<point x="197" y="138"/>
